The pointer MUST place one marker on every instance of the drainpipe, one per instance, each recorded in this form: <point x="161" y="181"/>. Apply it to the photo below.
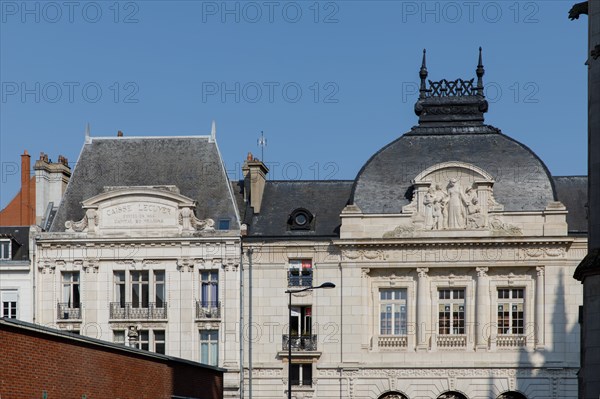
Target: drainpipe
<point x="250" y="252"/>
<point x="241" y="320"/>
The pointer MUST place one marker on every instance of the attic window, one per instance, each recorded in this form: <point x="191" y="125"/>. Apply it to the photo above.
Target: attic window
<point x="300" y="219"/>
<point x="224" y="224"/>
<point x="5" y="249"/>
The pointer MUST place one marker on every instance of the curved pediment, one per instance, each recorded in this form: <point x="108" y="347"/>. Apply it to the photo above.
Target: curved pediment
<point x="460" y="170"/>
<point x="148" y="211"/>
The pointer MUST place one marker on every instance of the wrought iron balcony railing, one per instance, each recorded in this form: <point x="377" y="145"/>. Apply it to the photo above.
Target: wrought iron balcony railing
<point x="208" y="310"/>
<point x="300" y="280"/>
<point x="127" y="311"/>
<point x="69" y="311"/>
<point x="300" y="342"/>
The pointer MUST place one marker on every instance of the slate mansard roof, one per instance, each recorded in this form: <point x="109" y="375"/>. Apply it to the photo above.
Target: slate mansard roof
<point x="451" y="128"/>
<point x="193" y="164"/>
<point x="572" y="191"/>
<point x="324" y="199"/>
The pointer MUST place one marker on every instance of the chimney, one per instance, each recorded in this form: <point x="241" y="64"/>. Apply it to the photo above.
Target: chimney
<point x="119" y="134"/>
<point x="27" y="207"/>
<point x="51" y="181"/>
<point x="255" y="177"/>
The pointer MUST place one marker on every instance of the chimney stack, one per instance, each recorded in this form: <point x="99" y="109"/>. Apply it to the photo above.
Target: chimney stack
<point x="119" y="134"/>
<point x="51" y="183"/>
<point x="255" y="178"/>
<point x="27" y="209"/>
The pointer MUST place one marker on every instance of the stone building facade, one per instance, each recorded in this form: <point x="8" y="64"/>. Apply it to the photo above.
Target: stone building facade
<point x="451" y="253"/>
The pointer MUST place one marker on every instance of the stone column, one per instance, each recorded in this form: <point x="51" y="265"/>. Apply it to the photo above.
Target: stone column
<point x="539" y="308"/>
<point x="422" y="307"/>
<point x="482" y="307"/>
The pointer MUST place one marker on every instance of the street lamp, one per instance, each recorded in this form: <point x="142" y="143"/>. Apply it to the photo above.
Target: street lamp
<point x="290" y="292"/>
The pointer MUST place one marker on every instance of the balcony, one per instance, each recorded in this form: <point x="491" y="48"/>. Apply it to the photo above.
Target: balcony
<point x="392" y="341"/>
<point x="305" y="279"/>
<point x="208" y="310"/>
<point x="68" y="311"/>
<point x="511" y="341"/>
<point x="300" y="342"/>
<point x="127" y="311"/>
<point x="452" y="341"/>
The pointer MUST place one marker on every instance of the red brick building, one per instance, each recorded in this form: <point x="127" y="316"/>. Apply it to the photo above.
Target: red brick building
<point x="40" y="362"/>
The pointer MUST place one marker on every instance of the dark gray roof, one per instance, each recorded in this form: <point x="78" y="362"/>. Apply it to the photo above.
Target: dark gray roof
<point x="323" y="199"/>
<point x="193" y="164"/>
<point x="572" y="191"/>
<point x="19" y="236"/>
<point x="522" y="180"/>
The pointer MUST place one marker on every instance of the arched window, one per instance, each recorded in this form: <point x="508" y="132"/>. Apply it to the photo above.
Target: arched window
<point x="393" y="395"/>
<point x="452" y="395"/>
<point x="512" y="395"/>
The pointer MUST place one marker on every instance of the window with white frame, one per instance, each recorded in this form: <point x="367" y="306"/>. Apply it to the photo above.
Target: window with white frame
<point x="10" y="299"/>
<point x="153" y="340"/>
<point x="392" y="311"/>
<point x="209" y="347"/>
<point x="209" y="288"/>
<point x="5" y="249"/>
<point x="511" y="311"/>
<point x="140" y="288"/>
<point x="451" y="311"/>
<point x="70" y="290"/>
<point x="301" y="374"/>
<point x="300" y="273"/>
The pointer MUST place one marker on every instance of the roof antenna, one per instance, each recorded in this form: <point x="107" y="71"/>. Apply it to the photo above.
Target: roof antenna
<point x="480" y="72"/>
<point x="88" y="139"/>
<point x="262" y="143"/>
<point x="423" y="76"/>
<point x="213" y="132"/>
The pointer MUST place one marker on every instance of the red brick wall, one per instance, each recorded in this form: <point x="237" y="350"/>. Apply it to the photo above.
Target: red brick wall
<point x="32" y="362"/>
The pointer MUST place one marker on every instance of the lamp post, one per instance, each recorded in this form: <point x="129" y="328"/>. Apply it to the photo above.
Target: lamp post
<point x="290" y="292"/>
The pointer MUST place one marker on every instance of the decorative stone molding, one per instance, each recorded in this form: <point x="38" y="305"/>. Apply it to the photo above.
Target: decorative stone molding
<point x="185" y="265"/>
<point x="364" y="272"/>
<point x="482" y="271"/>
<point x="132" y="263"/>
<point x="541" y="270"/>
<point x="363" y="254"/>
<point x="442" y="373"/>
<point x="542" y="253"/>
<point x="46" y="267"/>
<point x="88" y="223"/>
<point x="422" y="272"/>
<point x="91" y="265"/>
<point x="189" y="221"/>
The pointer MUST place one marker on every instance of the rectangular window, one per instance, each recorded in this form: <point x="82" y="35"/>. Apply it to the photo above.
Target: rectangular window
<point x="159" y="288"/>
<point x="224" y="224"/>
<point x="209" y="289"/>
<point x="392" y="312"/>
<point x="139" y="289"/>
<point x="70" y="294"/>
<point x="301" y="320"/>
<point x="209" y="347"/>
<point x="451" y="311"/>
<point x="142" y="340"/>
<point x="5" y="250"/>
<point x="511" y="314"/>
<point x="301" y="374"/>
<point x="300" y="273"/>
<point x="9" y="303"/>
<point x="159" y="341"/>
<point x="119" y="279"/>
<point x="119" y="337"/>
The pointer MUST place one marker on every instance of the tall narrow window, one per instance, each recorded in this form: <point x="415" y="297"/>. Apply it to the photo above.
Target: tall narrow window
<point x="511" y="314"/>
<point x="119" y="279"/>
<point x="210" y="288"/>
<point x="301" y="320"/>
<point x="5" y="252"/>
<point x="159" y="341"/>
<point x="301" y="374"/>
<point x="159" y="288"/>
<point x="300" y="273"/>
<point x="139" y="289"/>
<point x="9" y="303"/>
<point x="392" y="312"/>
<point x="209" y="347"/>
<point x="70" y="284"/>
<point x="451" y="312"/>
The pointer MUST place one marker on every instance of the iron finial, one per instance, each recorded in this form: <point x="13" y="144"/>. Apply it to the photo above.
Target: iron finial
<point x="480" y="72"/>
<point x="423" y="75"/>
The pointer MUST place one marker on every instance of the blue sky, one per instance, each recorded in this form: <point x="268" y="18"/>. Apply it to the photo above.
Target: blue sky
<point x="329" y="83"/>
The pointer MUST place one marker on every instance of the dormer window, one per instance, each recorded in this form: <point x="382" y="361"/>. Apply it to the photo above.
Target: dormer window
<point x="5" y="249"/>
<point x="300" y="219"/>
